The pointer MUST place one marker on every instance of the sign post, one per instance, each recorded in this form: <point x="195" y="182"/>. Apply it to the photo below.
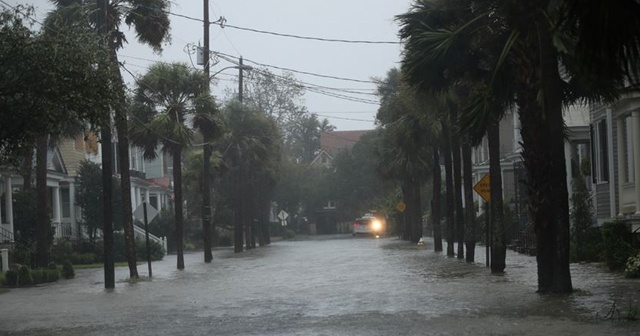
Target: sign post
<point x="483" y="188"/>
<point x="147" y="216"/>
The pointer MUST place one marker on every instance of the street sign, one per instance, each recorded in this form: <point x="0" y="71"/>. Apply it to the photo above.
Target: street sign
<point x="282" y="215"/>
<point x="401" y="206"/>
<point x="151" y="213"/>
<point x="483" y="188"/>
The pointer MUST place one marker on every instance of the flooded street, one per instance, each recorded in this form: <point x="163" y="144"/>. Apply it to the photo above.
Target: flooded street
<point x="337" y="286"/>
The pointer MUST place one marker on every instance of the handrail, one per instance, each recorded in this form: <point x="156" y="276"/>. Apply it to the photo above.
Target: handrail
<point x="6" y="236"/>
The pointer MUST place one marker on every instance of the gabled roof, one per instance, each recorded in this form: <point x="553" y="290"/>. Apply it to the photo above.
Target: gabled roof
<point x="337" y="141"/>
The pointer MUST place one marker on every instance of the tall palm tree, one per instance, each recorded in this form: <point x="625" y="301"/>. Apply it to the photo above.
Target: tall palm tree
<point x="164" y="106"/>
<point x="527" y="40"/>
<point x="208" y="122"/>
<point x="249" y="148"/>
<point x="150" y="20"/>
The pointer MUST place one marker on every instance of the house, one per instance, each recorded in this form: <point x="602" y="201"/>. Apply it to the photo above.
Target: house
<point x="615" y="138"/>
<point x="577" y="150"/>
<point x="63" y="163"/>
<point x="331" y="144"/>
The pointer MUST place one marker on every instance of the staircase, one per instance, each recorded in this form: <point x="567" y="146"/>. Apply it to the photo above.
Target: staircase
<point x="6" y="238"/>
<point x="139" y="233"/>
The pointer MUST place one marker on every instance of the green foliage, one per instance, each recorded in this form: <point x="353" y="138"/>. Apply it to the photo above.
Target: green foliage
<point x="617" y="238"/>
<point x="41" y="275"/>
<point x="591" y="245"/>
<point x="43" y="71"/>
<point x="67" y="270"/>
<point x="24" y="220"/>
<point x="61" y="251"/>
<point x="581" y="220"/>
<point x="83" y="258"/>
<point x="89" y="198"/>
<point x="24" y="276"/>
<point x="632" y="267"/>
<point x="157" y="251"/>
<point x="289" y="234"/>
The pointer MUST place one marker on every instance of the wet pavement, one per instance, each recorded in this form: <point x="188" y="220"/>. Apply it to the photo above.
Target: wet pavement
<point x="334" y="285"/>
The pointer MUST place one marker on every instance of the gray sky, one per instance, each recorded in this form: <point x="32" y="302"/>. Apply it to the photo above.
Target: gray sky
<point x="333" y="19"/>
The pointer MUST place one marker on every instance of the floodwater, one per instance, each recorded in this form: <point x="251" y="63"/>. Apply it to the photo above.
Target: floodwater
<point x="334" y="285"/>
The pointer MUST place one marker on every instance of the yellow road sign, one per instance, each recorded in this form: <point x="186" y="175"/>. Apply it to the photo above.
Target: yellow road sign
<point x="483" y="188"/>
<point x="401" y="206"/>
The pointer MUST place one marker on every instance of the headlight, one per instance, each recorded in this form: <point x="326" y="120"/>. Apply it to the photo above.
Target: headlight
<point x="376" y="225"/>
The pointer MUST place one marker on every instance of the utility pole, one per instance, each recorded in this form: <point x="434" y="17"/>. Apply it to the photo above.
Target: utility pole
<point x="240" y="85"/>
<point x="206" y="167"/>
<point x="107" y="172"/>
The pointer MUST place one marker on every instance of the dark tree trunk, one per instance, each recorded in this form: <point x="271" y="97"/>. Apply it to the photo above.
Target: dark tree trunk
<point x="179" y="219"/>
<point x="407" y="214"/>
<point x="552" y="87"/>
<point x="436" y="203"/>
<point x="107" y="204"/>
<point x="43" y="225"/>
<point x="448" y="168"/>
<point x="206" y="200"/>
<point x="469" y="211"/>
<point x="26" y="171"/>
<point x="498" y="243"/>
<point x="125" y="186"/>
<point x="457" y="187"/>
<point x="416" y="228"/>
<point x="123" y="161"/>
<point x="237" y="215"/>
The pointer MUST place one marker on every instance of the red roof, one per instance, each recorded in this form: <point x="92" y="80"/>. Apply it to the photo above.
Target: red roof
<point x="336" y="141"/>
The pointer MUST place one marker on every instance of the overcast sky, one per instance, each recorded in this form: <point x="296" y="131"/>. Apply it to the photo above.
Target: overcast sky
<point x="370" y="20"/>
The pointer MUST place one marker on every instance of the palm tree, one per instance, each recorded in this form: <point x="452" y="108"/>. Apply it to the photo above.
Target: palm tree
<point x="150" y="20"/>
<point x="207" y="120"/>
<point x="527" y="40"/>
<point x="164" y="106"/>
<point x="250" y="148"/>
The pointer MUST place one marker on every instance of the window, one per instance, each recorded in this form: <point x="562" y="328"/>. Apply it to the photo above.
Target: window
<point x="65" y="202"/>
<point x="600" y="153"/>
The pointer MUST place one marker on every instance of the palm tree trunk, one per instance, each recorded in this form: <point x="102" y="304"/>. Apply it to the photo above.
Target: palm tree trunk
<point x="416" y="228"/>
<point x="177" y="191"/>
<point x="206" y="200"/>
<point x="125" y="186"/>
<point x="107" y="205"/>
<point x="552" y="87"/>
<point x="407" y="214"/>
<point x="125" y="177"/>
<point x="457" y="182"/>
<point x="42" y="225"/>
<point x="26" y="170"/>
<point x="436" y="203"/>
<point x="237" y="213"/>
<point x="498" y="243"/>
<point x="448" y="168"/>
<point x="469" y="211"/>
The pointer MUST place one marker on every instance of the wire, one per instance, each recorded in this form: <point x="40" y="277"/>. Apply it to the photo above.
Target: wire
<point x="223" y="25"/>
<point x="300" y="71"/>
<point x="310" y="37"/>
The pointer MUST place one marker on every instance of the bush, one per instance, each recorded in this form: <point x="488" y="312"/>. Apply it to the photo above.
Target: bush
<point x="11" y="278"/>
<point x="43" y="275"/>
<point x="616" y="238"/>
<point x="289" y="234"/>
<point x="83" y="259"/>
<point x="61" y="251"/>
<point x="22" y="255"/>
<point x="67" y="270"/>
<point x="24" y="274"/>
<point x="157" y="251"/>
<point x="591" y="246"/>
<point x="225" y="241"/>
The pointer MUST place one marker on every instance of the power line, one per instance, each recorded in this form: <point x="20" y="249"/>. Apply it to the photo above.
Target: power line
<point x="309" y="37"/>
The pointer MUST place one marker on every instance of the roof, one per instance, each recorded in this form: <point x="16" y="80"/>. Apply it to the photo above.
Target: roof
<point x="336" y="141"/>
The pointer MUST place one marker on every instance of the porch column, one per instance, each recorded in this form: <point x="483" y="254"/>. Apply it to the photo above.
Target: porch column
<point x="72" y="210"/>
<point x="8" y="191"/>
<point x="56" y="205"/>
<point x="636" y="156"/>
<point x="622" y="167"/>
